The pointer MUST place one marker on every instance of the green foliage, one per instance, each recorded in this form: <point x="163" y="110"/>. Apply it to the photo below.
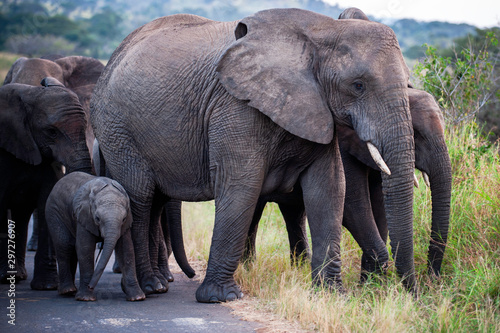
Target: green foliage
<point x="26" y="25"/>
<point x="463" y="83"/>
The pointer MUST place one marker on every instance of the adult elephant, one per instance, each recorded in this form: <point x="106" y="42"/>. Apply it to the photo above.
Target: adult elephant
<point x="192" y="109"/>
<point x="364" y="213"/>
<point x="77" y="73"/>
<point x="43" y="128"/>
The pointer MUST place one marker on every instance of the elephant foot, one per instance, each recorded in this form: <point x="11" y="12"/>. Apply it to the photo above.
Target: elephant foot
<point x="67" y="289"/>
<point x="331" y="283"/>
<point x="7" y="278"/>
<point x="165" y="272"/>
<point x="133" y="292"/>
<point x="116" y="267"/>
<point x="213" y="292"/>
<point x="150" y="284"/>
<point x="371" y="267"/>
<point x="85" y="295"/>
<point x="48" y="282"/>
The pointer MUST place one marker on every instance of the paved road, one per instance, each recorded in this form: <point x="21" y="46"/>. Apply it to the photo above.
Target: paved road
<point x="175" y="311"/>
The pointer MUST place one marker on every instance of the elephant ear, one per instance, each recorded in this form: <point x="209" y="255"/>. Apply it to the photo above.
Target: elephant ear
<point x="17" y="137"/>
<point x="271" y="65"/>
<point x="82" y="203"/>
<point x="80" y="71"/>
<point x="426" y="115"/>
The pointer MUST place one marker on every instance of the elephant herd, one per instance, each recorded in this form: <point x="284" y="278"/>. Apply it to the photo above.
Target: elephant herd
<point x="286" y="105"/>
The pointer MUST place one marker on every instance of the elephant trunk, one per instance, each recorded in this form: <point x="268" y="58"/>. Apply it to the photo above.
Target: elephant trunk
<point x="79" y="160"/>
<point x="74" y="153"/>
<point x="107" y="251"/>
<point x="440" y="180"/>
<point x="398" y="153"/>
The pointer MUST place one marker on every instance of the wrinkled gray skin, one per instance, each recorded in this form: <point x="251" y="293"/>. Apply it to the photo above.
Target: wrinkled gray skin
<point x="171" y="230"/>
<point x="364" y="214"/>
<point x="82" y="210"/>
<point x="234" y="110"/>
<point x="43" y="128"/>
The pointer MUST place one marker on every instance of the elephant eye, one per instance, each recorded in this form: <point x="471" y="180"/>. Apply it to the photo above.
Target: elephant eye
<point x="359" y="86"/>
<point x="97" y="219"/>
<point x="52" y="133"/>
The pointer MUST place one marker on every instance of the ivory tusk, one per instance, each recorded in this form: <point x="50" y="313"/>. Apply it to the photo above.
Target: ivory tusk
<point x="378" y="158"/>
<point x="426" y="179"/>
<point x="415" y="180"/>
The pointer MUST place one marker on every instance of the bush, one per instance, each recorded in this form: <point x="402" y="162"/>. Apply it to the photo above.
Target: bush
<point x="37" y="45"/>
<point x="463" y="84"/>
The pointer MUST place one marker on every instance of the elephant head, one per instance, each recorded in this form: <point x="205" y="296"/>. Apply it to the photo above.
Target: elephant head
<point x="44" y="123"/>
<point x="311" y="72"/>
<point x="77" y="73"/>
<point x="101" y="206"/>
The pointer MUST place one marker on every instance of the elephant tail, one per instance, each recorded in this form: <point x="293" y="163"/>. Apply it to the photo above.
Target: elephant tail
<point x="175" y="237"/>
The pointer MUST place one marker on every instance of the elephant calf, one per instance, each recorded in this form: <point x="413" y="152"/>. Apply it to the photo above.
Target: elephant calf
<point x="82" y="210"/>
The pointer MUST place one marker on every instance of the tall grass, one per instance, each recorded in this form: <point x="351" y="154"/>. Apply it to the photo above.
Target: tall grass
<point x="465" y="299"/>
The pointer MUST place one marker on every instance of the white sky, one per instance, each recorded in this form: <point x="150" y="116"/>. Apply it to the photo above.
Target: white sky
<point x="481" y="13"/>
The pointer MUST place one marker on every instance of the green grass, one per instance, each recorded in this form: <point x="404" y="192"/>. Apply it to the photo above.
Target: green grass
<point x="465" y="299"/>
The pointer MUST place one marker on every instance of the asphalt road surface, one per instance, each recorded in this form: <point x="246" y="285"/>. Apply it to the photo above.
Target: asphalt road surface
<point x="175" y="311"/>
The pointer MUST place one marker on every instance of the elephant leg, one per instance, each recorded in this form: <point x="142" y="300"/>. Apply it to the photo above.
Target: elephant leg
<point x="294" y="215"/>
<point x="66" y="261"/>
<point x="359" y="219"/>
<point x="323" y="188"/>
<point x="33" y="242"/>
<point x="155" y="242"/>
<point x="140" y="204"/>
<point x="233" y="215"/>
<point x="85" y="248"/>
<point x="124" y="251"/>
<point x="45" y="274"/>
<point x="135" y="178"/>
<point x="250" y="250"/>
<point x="20" y="217"/>
<point x="116" y="267"/>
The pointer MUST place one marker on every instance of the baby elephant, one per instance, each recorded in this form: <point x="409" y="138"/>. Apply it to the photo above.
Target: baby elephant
<point x="82" y="210"/>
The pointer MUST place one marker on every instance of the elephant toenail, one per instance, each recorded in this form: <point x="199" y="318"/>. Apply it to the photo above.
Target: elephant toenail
<point x="231" y="297"/>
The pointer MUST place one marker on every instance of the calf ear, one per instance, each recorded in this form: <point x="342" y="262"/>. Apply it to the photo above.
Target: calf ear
<point x="271" y="65"/>
<point x="17" y="137"/>
<point x="82" y="211"/>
